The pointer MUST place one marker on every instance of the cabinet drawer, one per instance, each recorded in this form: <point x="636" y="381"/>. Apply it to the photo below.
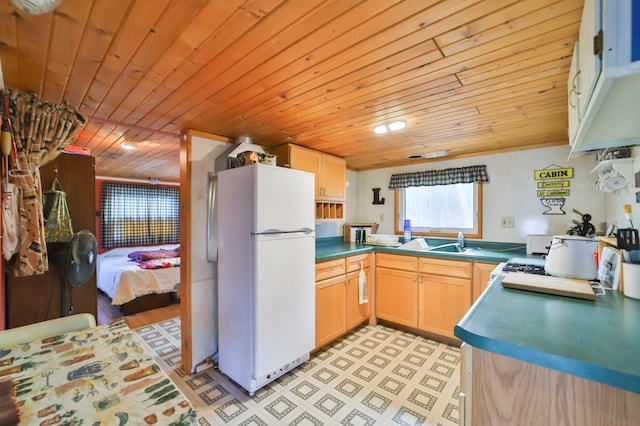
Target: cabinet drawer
<point x="397" y="261"/>
<point x="353" y="262"/>
<point x="330" y="268"/>
<point x="449" y="268"/>
<point x="330" y="282"/>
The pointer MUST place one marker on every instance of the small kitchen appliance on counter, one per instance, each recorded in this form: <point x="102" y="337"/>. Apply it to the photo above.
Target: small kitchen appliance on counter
<point x="538" y="244"/>
<point x="571" y="256"/>
<point x="357" y="232"/>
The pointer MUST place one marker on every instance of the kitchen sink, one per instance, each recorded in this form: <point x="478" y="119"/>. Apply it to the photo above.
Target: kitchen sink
<point x="451" y="248"/>
<point x="420" y="244"/>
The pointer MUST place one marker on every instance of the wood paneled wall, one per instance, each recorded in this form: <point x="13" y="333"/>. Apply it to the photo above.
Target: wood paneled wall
<point x="38" y="298"/>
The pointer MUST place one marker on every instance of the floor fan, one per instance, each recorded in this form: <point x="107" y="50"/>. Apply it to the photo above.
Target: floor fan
<point x="77" y="265"/>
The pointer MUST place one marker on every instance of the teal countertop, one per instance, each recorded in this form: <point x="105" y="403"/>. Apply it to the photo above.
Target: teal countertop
<point x="332" y="248"/>
<point x="596" y="340"/>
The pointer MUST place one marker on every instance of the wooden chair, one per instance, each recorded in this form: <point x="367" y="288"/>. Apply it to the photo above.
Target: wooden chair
<point x="49" y="328"/>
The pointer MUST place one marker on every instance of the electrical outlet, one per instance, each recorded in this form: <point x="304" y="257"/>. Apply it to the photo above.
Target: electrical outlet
<point x="381" y="217"/>
<point x="506" y="222"/>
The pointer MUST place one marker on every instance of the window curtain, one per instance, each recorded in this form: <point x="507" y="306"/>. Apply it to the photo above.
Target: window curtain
<point x="139" y="215"/>
<point x="40" y="131"/>
<point x="440" y="177"/>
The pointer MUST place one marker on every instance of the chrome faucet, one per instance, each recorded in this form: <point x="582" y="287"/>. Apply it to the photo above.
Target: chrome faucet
<point x="461" y="239"/>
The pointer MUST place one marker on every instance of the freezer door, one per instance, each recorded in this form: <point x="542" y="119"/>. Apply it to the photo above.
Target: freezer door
<point x="284" y="300"/>
<point x="283" y="199"/>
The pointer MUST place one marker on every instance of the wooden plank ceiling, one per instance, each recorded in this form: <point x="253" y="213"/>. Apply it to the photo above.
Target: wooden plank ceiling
<point x="470" y="77"/>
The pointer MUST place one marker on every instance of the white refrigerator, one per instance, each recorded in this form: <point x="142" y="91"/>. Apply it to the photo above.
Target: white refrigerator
<point x="266" y="272"/>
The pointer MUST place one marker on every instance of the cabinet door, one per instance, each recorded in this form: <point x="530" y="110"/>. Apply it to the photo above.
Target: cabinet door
<point x="590" y="64"/>
<point x="573" y="95"/>
<point x="330" y="310"/>
<point x="307" y="160"/>
<point x="357" y="312"/>
<point x="481" y="272"/>
<point x="333" y="177"/>
<point x="396" y="296"/>
<point x="442" y="303"/>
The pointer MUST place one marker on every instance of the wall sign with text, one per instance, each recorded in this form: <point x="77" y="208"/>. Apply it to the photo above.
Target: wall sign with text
<point x="553" y="187"/>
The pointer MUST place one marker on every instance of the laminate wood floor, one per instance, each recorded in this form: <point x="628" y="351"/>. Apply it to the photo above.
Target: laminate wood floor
<point x="108" y="313"/>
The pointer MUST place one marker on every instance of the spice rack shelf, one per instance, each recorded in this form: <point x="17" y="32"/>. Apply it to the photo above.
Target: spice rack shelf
<point x="329" y="211"/>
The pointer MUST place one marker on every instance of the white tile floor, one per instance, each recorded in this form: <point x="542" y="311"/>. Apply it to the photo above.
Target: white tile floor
<point x="375" y="375"/>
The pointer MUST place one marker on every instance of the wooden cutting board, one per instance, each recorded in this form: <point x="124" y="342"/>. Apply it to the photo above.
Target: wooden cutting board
<point x="547" y="284"/>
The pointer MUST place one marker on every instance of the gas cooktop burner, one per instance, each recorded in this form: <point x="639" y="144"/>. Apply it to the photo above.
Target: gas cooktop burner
<point x="523" y="267"/>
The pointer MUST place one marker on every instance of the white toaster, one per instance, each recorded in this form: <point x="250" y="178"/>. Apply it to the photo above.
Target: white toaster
<point x="538" y="244"/>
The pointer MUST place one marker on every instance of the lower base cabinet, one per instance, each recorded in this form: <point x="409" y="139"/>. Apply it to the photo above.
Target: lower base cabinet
<point x="428" y="294"/>
<point x="356" y="312"/>
<point x="330" y="310"/>
<point x="396" y="296"/>
<point x="443" y="301"/>
<point x="338" y="307"/>
<point x="481" y="277"/>
<point x="499" y="390"/>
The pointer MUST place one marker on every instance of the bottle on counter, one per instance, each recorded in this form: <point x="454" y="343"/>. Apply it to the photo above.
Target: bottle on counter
<point x="407" y="230"/>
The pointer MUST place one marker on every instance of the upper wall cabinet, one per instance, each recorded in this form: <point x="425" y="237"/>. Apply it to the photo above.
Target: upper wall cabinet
<point x="331" y="177"/>
<point x="604" y="80"/>
<point x="330" y="171"/>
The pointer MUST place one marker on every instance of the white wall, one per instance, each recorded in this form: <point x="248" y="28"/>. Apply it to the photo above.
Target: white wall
<point x="204" y="309"/>
<point x="511" y="191"/>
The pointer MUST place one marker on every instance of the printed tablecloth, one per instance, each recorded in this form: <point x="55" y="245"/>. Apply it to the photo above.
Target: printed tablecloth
<point x="98" y="376"/>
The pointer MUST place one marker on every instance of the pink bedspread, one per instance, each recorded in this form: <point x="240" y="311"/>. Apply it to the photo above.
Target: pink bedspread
<point x="139" y="256"/>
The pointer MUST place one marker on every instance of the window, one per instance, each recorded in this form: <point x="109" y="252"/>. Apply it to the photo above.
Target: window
<point x="441" y="209"/>
<point x="133" y="215"/>
<point x="440" y="202"/>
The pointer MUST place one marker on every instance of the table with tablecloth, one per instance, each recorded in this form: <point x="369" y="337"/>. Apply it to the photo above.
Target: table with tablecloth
<point x="97" y="376"/>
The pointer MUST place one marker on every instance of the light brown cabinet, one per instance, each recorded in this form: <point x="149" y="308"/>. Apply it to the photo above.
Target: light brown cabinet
<point x="429" y="294"/>
<point x="330" y="309"/>
<point x="396" y="296"/>
<point x="337" y="303"/>
<point x="516" y="392"/>
<point x="444" y="294"/>
<point x="481" y="272"/>
<point x="331" y="176"/>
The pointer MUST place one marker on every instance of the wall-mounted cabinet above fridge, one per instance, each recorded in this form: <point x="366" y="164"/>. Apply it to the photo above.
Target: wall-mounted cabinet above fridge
<point x="604" y="80"/>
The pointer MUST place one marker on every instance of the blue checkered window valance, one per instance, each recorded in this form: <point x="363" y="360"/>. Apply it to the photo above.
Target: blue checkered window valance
<point x="440" y="177"/>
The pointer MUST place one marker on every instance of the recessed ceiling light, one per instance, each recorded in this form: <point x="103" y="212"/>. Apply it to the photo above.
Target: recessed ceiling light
<point x="435" y="154"/>
<point x="380" y="129"/>
<point x="125" y="145"/>
<point x="397" y="125"/>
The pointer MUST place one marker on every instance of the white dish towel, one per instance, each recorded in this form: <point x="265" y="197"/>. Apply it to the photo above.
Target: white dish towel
<point x="363" y="297"/>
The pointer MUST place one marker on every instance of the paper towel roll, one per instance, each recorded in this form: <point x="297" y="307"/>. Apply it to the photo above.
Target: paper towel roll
<point x="631" y="274"/>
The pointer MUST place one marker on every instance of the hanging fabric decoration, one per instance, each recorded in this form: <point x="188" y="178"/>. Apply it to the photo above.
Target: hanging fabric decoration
<point x="10" y="193"/>
<point x="10" y="219"/>
<point x="57" y="220"/>
<point x="40" y="131"/>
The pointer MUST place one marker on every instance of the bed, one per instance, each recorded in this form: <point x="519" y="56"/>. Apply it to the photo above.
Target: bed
<point x="130" y="286"/>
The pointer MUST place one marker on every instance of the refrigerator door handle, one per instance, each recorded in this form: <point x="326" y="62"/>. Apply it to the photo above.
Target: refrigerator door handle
<point x="278" y="231"/>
